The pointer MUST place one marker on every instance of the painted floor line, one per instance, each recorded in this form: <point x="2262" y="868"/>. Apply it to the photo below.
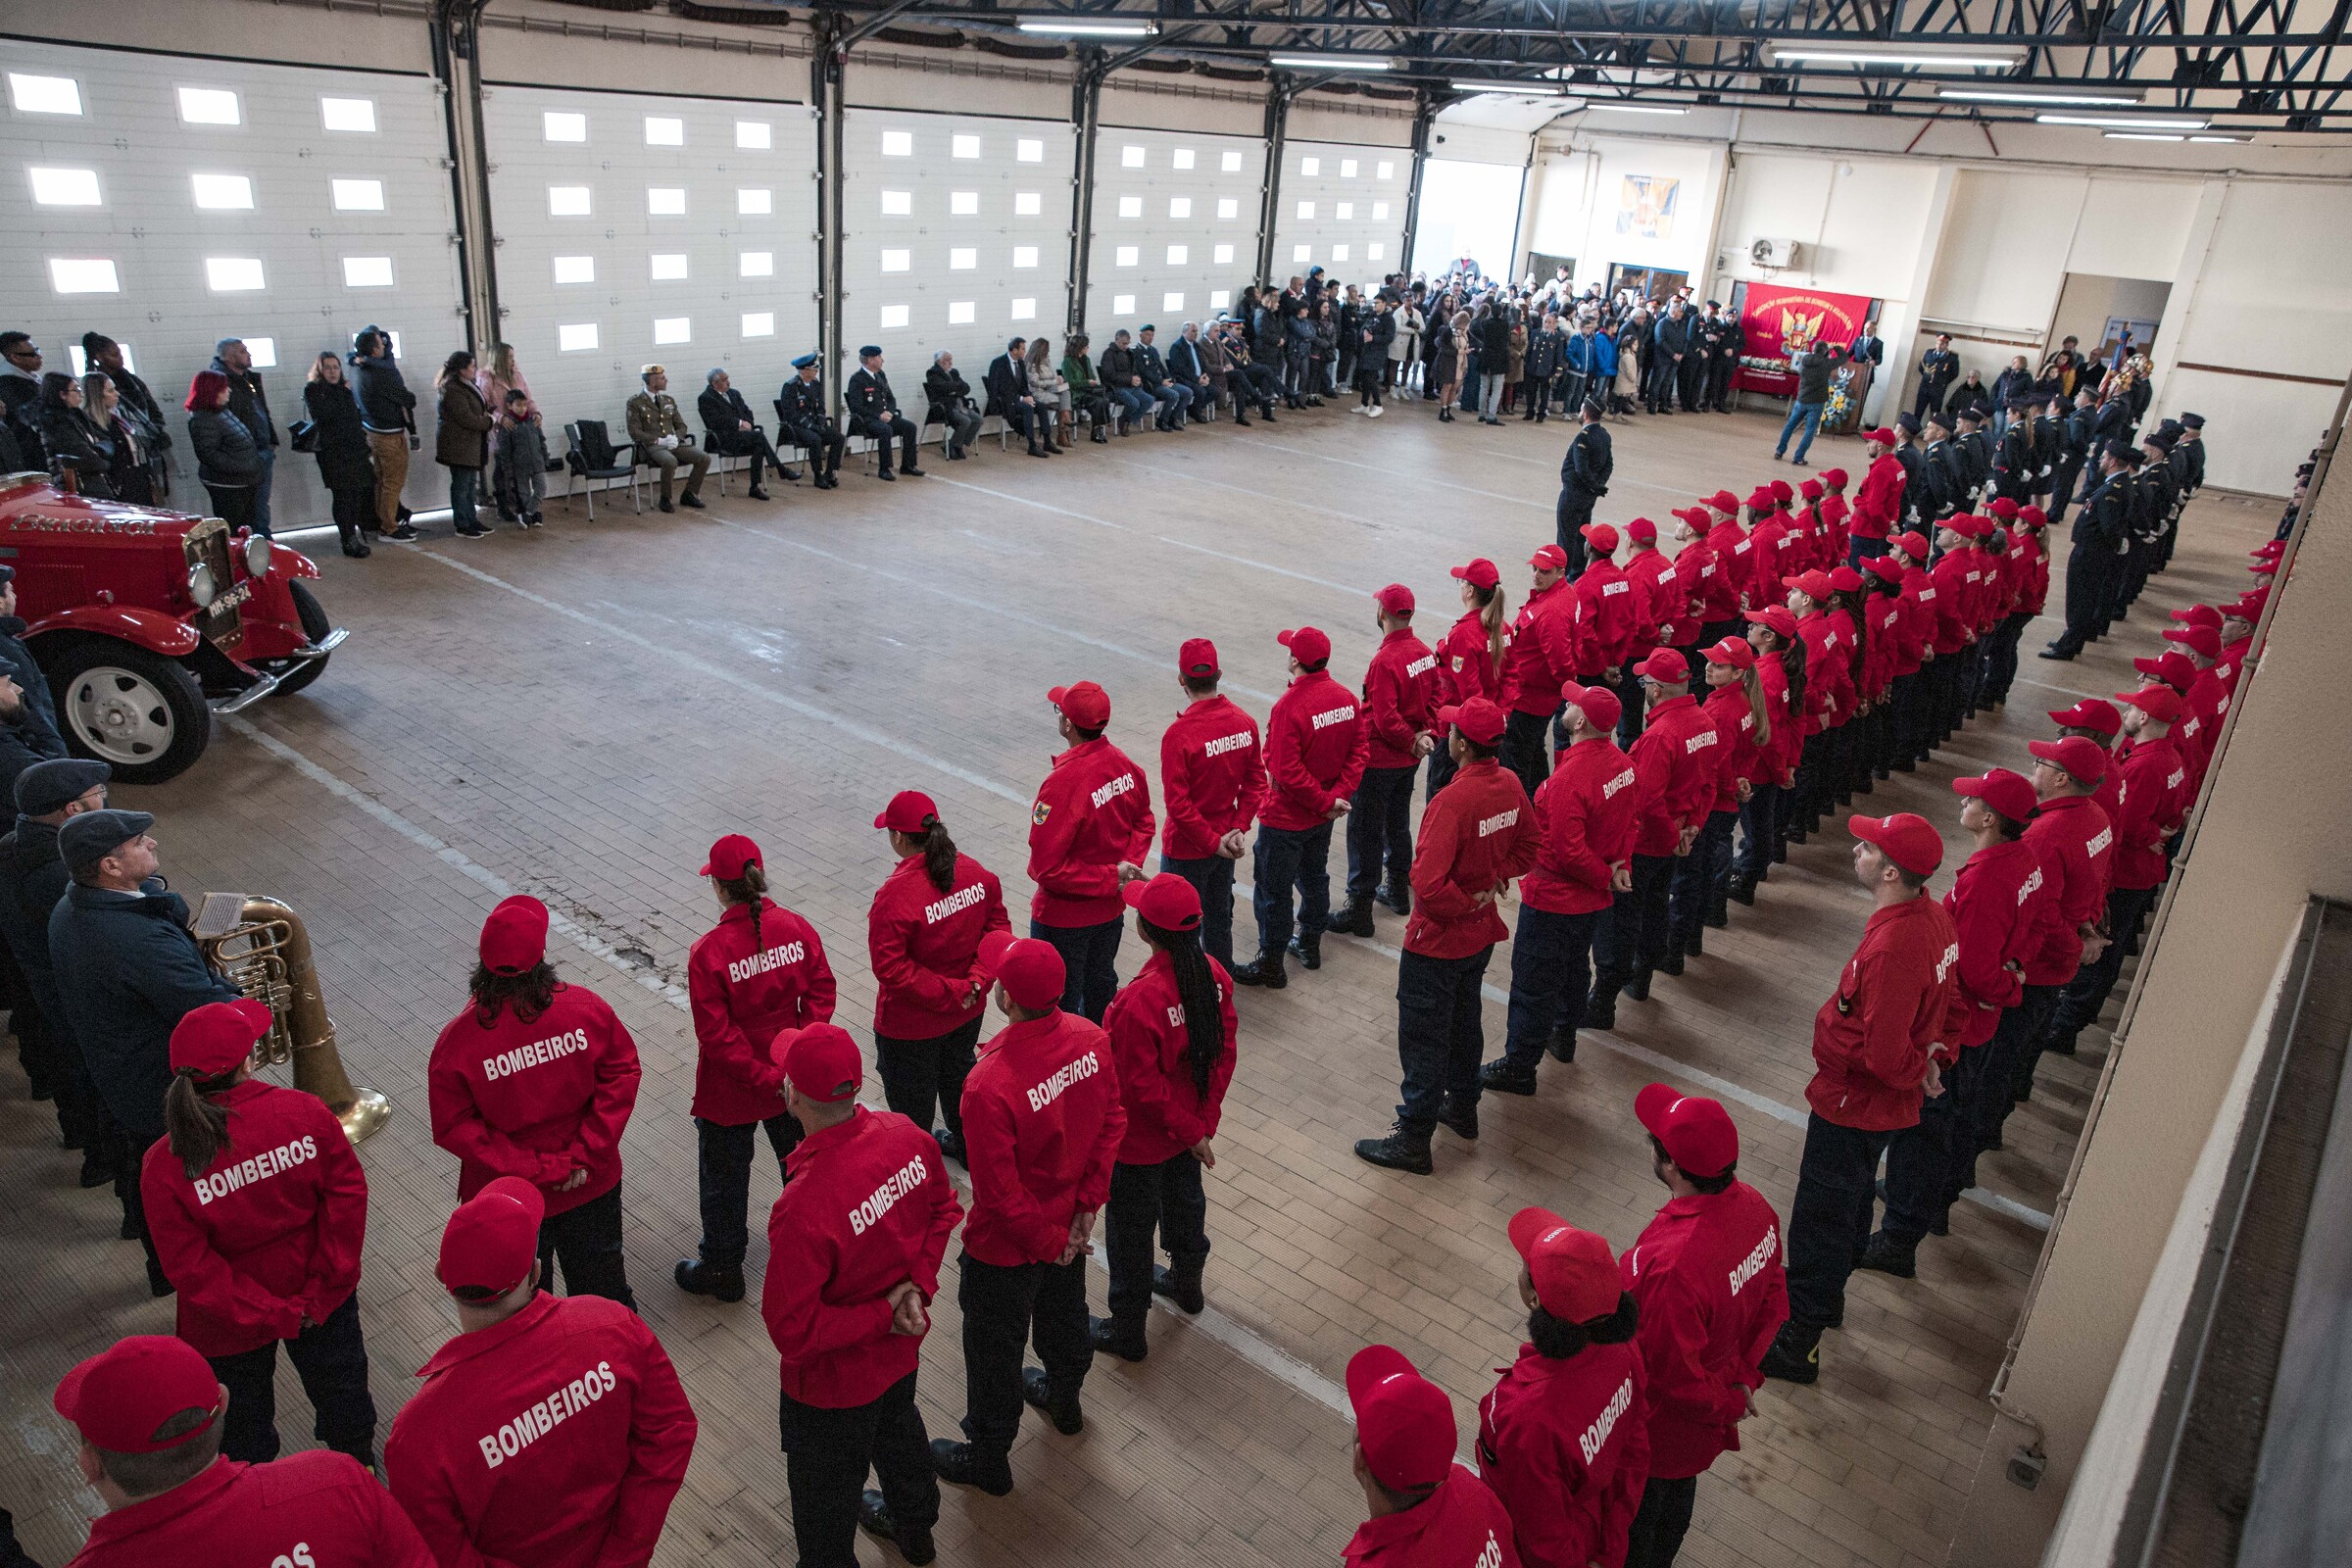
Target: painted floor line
<point x="1397" y="473"/>
<point x="1279" y="572"/>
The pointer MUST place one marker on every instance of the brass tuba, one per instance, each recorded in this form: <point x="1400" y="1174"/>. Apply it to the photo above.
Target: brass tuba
<point x="263" y="950"/>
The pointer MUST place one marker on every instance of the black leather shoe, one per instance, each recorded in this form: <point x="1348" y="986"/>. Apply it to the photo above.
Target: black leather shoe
<point x="1886" y="1255"/>
<point x="758" y="493"/>
<point x="1460" y="1120"/>
<point x="1398" y="1150"/>
<point x="890" y="474"/>
<point x="1181" y="1288"/>
<point x="697" y="1278"/>
<point x="1672" y="964"/>
<point x="1561" y="1047"/>
<point x="789" y="475"/>
<point x="1794" y="1356"/>
<point x="911" y="471"/>
<point x="1501" y="1077"/>
<point x="1125" y="1340"/>
<point x="1636" y="989"/>
<point x="1400" y="900"/>
<point x="1356" y="921"/>
<point x="1309" y="954"/>
<point x="1266" y="969"/>
<point x="914" y="1541"/>
<point x="691" y="500"/>
<point x="955" y="1463"/>
<point x="950" y="1143"/>
<point x="1037" y="1390"/>
<point x="1601" y="1007"/>
<point x="666" y="505"/>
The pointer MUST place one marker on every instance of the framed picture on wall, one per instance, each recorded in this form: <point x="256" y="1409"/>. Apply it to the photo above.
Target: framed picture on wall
<point x="1645" y="204"/>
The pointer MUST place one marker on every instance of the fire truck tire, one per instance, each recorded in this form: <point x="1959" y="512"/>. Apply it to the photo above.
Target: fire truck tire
<point x="136" y="711"/>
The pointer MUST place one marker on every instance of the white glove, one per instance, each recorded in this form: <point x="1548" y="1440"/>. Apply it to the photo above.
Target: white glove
<point x="667" y="442"/>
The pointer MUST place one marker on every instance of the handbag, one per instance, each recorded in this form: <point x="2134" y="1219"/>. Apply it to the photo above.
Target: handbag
<point x="303" y="435"/>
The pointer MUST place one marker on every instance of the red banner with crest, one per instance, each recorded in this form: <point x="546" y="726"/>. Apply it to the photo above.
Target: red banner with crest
<point x="1780" y="321"/>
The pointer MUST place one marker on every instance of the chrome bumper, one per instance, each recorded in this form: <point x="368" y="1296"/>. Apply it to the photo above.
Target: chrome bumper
<point x="238" y="702"/>
<point x="323" y="647"/>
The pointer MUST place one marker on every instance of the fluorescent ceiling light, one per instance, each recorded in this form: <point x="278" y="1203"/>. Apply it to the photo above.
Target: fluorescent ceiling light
<point x="1638" y="109"/>
<point x="1519" y="89"/>
<point x="2006" y="95"/>
<point x="1081" y="28"/>
<point x="2119" y="122"/>
<point x="2150" y="135"/>
<point x="1335" y="61"/>
<point x="1979" y="60"/>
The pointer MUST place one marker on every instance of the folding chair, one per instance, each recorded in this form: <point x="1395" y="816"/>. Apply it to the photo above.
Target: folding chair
<point x="592" y="457"/>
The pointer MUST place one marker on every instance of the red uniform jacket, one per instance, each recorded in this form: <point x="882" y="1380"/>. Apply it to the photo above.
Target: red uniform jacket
<point x="319" y="1503"/>
<point x="1213" y="775"/>
<point x="743" y="991"/>
<point x="866" y="1205"/>
<point x="924" y="946"/>
<point x="1461" y="1525"/>
<point x="1316" y="748"/>
<point x="1043" y="1124"/>
<point x="1400" y="691"/>
<point x="1660" y="597"/>
<point x="1872" y="1039"/>
<point x="2232" y="663"/>
<point x="1756" y="561"/>
<point x="270" y="1233"/>
<point x="1166" y="1112"/>
<point x="1879" y="501"/>
<point x="1541" y="655"/>
<point x="1093" y="811"/>
<point x="1584" y="812"/>
<point x="2033" y="578"/>
<point x="1676" y="756"/>
<point x="1883" y="615"/>
<point x="554" y="1439"/>
<point x="1609" y="613"/>
<point x="1708" y="1275"/>
<point x="2202" y="711"/>
<point x="1473" y="840"/>
<point x="2149" y="803"/>
<point x="1721" y="590"/>
<point x="1918" y="635"/>
<point x="2073" y="838"/>
<point x="1954" y="580"/>
<point x="1736" y="755"/>
<point x="1466" y="665"/>
<point x="1787" y="724"/>
<point x="1565" y="1445"/>
<point x="1835" y="518"/>
<point x="538" y="1100"/>
<point x="1997" y="905"/>
<point x="1807" y="545"/>
<point x="1821" y="706"/>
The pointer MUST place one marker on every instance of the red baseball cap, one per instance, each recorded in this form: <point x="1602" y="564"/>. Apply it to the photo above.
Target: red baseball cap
<point x="1778" y="618"/>
<point x="1394" y="600"/>
<point x="1600" y="536"/>
<point x="1845" y="579"/>
<point x="2032" y="517"/>
<point x="1085" y="705"/>
<point x="2269" y="550"/>
<point x="1733" y="652"/>
<point x="1913" y="544"/>
<point x="730" y="854"/>
<point x="1967" y="524"/>
<point x="1834" y="479"/>
<point x="1030" y="970"/>
<point x="1549" y="558"/>
<point x="2008" y="793"/>
<point x="1814" y="585"/>
<point x="1882" y="436"/>
<point x="1307" y="644"/>
<point x="2086" y="760"/>
<point x="908" y="811"/>
<point x="2203" y="641"/>
<point x="1601" y="709"/>
<point x="2248" y="607"/>
<point x="1762" y="499"/>
<point x="492" y="1239"/>
<point x="2200" y="615"/>
<point x="1909" y="840"/>
<point x="1811" y="490"/>
<point x="2264" y="568"/>
<point x="1700" y="519"/>
<point x="1723" y="501"/>
<point x="1698" y="1134"/>
<point x="514" y="936"/>
<point x="1403" y="1422"/>
<point x="2160" y="703"/>
<point x="1575" y="1272"/>
<point x="1478" y="719"/>
<point x="2171" y="666"/>
<point x="1782" y="492"/>
<point x="2002" y="508"/>
<point x="210" y="1041"/>
<point x="1479" y="573"/>
<point x="1663" y="665"/>
<point x="1886" y="567"/>
<point x="820" y="1060"/>
<point x="122" y="1397"/>
<point x="1198" y="658"/>
<point x="2089" y="714"/>
<point x="1167" y="900"/>
<point x="1643" y="531"/>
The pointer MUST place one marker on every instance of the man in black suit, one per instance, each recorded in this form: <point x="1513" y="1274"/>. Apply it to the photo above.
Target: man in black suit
<point x="1939" y="368"/>
<point x="1008" y="395"/>
<point x="874" y="411"/>
<point x="727" y="420"/>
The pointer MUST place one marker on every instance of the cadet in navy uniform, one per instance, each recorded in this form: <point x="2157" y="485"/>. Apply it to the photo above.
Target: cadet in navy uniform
<point x="2099" y="539"/>
<point x="803" y="421"/>
<point x="874" y="411"/>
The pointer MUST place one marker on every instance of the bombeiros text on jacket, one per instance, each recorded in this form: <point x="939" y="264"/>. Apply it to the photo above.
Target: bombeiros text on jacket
<point x="245" y="1172"/>
<point x="1048" y="1092"/>
<point x="539" y="1052"/>
<point x="775" y="958"/>
<point x="540" y="1419"/>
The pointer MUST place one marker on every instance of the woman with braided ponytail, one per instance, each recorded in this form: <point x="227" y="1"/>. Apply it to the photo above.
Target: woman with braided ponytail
<point x="259" y="1209"/>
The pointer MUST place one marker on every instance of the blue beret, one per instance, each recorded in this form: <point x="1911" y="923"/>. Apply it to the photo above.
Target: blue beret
<point x="869" y="351"/>
<point x="803" y="361"/>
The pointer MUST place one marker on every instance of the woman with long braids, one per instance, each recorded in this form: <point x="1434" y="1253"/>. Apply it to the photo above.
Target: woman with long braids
<point x="259" y="1209"/>
<point x="1171" y="1035"/>
<point x="1781" y="672"/>
<point x="759" y="972"/>
<point x="931" y="991"/>
<point x="1565" y="1437"/>
<point x="1470" y="654"/>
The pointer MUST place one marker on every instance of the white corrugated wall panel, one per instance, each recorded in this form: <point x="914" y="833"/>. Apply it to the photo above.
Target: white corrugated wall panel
<point x="1172" y="243"/>
<point x="1343" y="209"/>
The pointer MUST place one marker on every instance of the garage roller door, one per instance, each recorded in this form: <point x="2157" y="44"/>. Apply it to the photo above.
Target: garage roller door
<point x="1175" y="227"/>
<point x="1343" y="209"/>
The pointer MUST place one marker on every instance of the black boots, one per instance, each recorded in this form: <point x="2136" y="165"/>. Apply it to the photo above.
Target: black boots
<point x="1309" y="949"/>
<point x="1120" y="1336"/>
<point x="1400" y="1149"/>
<point x="1179" y="1284"/>
<point x="1037" y="1390"/>
<point x="697" y="1278"/>
<point x="1502" y="1076"/>
<point x="1886" y="1255"/>
<point x="958" y="1466"/>
<point x="1398" y="898"/>
<point x="1601" y="1007"/>
<point x="1266" y="969"/>
<point x="1459" y="1119"/>
<point x="1796" y="1354"/>
<point x="914" y="1541"/>
<point x="1356" y="921"/>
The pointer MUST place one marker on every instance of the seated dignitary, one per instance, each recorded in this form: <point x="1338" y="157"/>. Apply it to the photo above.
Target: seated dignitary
<point x="951" y="398"/>
<point x="734" y="433"/>
<point x="804" y="419"/>
<point x="1011" y="398"/>
<point x="148" y="1411"/>
<point x="550" y="1430"/>
<point x="662" y="441"/>
<point x="874" y="414"/>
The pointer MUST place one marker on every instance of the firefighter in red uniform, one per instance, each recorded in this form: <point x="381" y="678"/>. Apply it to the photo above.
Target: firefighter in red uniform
<point x="1608" y="615"/>
<point x="1476" y="837"/>
<point x="1915" y="662"/>
<point x="854" y="1244"/>
<point x="1836" y="514"/>
<point x="923" y="937"/>
<point x="549" y="1432"/>
<point x="1425" y="1510"/>
<point x="1875" y="1043"/>
<point x="1316" y="748"/>
<point x="535" y="1080"/>
<point x="259" y="1209"/>
<point x="1401" y="690"/>
<point x="1879" y="504"/>
<point x="1043" y="1120"/>
<point x="1540" y="658"/>
<point x="1172" y="1029"/>
<point x="1585" y="813"/>
<point x="1721" y="594"/>
<point x="1756" y="558"/>
<point x="1661" y="595"/>
<point x="1564" y="1437"/>
<point x="149" y="1413"/>
<point x="1675" y="760"/>
<point x="760" y="970"/>
<point x="1470" y="657"/>
<point x="1088" y="832"/>
<point x="1740" y="714"/>
<point x="2097" y="721"/>
<point x="1708" y="1277"/>
<point x="2203" y="705"/>
<point x="1213" y="774"/>
<point x="2075" y="836"/>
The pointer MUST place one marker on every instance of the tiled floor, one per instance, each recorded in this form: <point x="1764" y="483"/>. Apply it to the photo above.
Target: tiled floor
<point x="577" y="712"/>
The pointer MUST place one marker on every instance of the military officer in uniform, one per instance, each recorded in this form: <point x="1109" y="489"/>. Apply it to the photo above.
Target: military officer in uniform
<point x="874" y="411"/>
<point x="803" y="421"/>
<point x="2100" y="537"/>
<point x="663" y="440"/>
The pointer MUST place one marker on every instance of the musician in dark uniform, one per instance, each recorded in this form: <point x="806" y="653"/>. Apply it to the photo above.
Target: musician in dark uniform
<point x="1919" y="507"/>
<point x="2100" y="536"/>
<point x="803" y="421"/>
<point x="874" y="411"/>
<point x="1946" y="471"/>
